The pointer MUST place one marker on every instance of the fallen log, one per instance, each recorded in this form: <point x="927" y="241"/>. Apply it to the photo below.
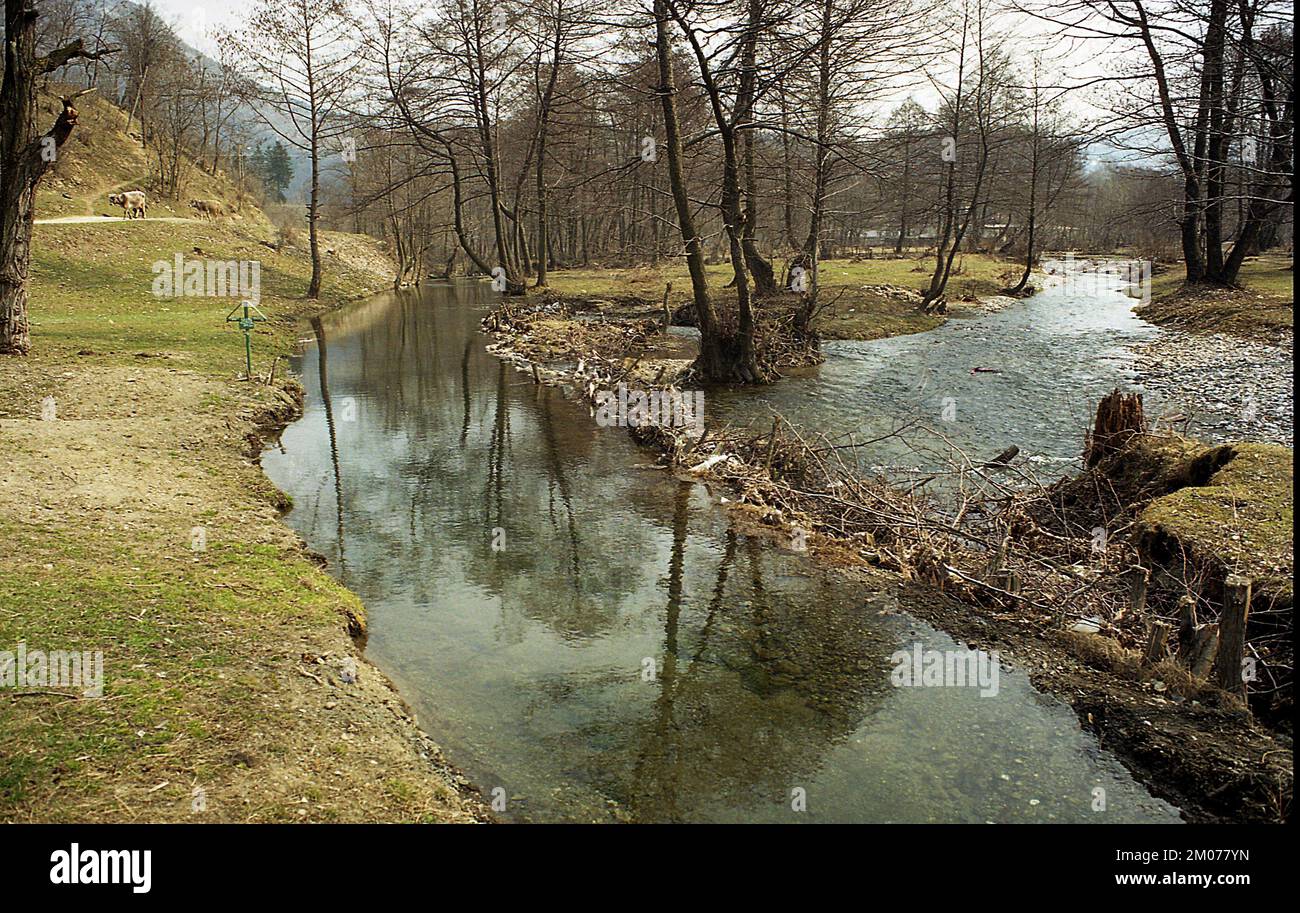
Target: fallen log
<point x="1003" y="458"/>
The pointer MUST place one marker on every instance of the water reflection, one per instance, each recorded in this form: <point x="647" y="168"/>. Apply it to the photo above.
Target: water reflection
<point x="590" y="635"/>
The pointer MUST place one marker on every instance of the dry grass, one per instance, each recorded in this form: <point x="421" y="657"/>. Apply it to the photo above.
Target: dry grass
<point x="1263" y="309"/>
<point x="874" y="298"/>
<point x="222" y="665"/>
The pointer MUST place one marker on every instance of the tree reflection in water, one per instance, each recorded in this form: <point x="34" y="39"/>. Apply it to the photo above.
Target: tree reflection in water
<point x="526" y="663"/>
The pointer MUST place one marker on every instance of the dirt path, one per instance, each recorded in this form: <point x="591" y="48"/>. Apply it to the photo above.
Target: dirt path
<point x="93" y="220"/>
<point x="88" y="199"/>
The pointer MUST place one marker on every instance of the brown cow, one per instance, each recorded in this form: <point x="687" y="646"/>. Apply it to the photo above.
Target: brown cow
<point x="208" y="209"/>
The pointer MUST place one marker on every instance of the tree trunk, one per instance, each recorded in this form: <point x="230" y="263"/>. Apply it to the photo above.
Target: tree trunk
<point x="1033" y="195"/>
<point x="26" y="159"/>
<point x="491" y="173"/>
<point x="709" y="363"/>
<point x="1217" y="142"/>
<point x="759" y="268"/>
<point x="313" y="289"/>
<point x="905" y="190"/>
<point x="742" y="356"/>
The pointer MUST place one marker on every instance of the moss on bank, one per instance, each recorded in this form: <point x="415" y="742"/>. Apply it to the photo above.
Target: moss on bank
<point x="1238" y="521"/>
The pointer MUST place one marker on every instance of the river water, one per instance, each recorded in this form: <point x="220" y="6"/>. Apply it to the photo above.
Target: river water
<point x="1029" y="375"/>
<point x="590" y="640"/>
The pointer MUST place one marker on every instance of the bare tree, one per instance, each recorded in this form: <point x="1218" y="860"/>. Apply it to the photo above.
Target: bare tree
<point x="299" y="57"/>
<point x="967" y="153"/>
<point x="713" y="361"/>
<point x="148" y="45"/>
<point x="1215" y="82"/>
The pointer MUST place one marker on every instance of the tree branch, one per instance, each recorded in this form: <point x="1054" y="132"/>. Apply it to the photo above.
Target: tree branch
<point x="69" y="52"/>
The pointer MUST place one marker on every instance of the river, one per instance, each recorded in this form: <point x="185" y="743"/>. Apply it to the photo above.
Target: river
<point x="589" y="639"/>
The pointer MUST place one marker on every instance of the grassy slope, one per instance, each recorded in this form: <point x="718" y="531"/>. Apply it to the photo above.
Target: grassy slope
<point x="1262" y="310"/>
<point x="212" y="676"/>
<point x="1242" y="520"/>
<point x="859" y="312"/>
<point x="101" y="158"/>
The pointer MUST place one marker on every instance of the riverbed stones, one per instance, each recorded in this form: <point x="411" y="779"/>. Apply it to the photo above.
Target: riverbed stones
<point x="1223" y="388"/>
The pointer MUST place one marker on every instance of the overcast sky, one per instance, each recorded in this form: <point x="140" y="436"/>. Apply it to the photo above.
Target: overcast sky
<point x="193" y="18"/>
<point x="1078" y="62"/>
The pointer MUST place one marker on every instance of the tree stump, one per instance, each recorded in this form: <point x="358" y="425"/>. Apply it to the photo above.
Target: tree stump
<point x="1119" y="417"/>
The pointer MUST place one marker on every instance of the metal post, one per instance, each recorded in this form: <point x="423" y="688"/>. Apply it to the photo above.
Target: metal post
<point x="246" y="321"/>
<point x="247" y="324"/>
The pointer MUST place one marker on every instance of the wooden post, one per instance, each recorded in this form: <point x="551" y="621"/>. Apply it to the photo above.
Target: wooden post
<point x="1137" y="592"/>
<point x="1186" y="629"/>
<point x="1205" y="646"/>
<point x="1156" y="644"/>
<point x="1232" y="635"/>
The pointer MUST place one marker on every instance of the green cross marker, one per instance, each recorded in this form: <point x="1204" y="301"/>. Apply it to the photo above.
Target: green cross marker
<point x="250" y="315"/>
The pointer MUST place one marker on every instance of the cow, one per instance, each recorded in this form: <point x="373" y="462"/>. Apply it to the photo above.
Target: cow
<point x="132" y="203"/>
<point x="208" y="209"/>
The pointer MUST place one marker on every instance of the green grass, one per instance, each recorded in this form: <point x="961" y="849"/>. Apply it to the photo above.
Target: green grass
<point x="1262" y="309"/>
<point x="191" y="641"/>
<point x="1270" y="276"/>
<point x="173" y="626"/>
<point x="92" y="289"/>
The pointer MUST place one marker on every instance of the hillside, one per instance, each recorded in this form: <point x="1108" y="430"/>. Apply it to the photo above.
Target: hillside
<point x="102" y="156"/>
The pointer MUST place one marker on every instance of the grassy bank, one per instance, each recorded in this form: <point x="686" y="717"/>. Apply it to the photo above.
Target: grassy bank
<point x="1263" y="309"/>
<point x="139" y="524"/>
<point x="871" y="296"/>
